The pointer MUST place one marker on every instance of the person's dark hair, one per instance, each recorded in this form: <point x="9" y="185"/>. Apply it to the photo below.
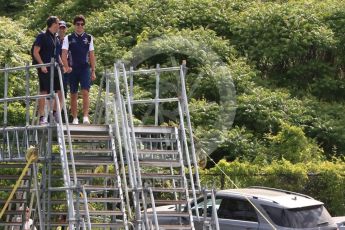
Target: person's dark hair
<point x="51" y="20"/>
<point x="78" y="18"/>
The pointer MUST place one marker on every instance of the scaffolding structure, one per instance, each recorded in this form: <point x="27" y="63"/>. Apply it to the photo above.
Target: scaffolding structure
<point x="113" y="174"/>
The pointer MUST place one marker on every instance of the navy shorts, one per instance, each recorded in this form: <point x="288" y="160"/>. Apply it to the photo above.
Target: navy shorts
<point x="80" y="76"/>
<point x="44" y="81"/>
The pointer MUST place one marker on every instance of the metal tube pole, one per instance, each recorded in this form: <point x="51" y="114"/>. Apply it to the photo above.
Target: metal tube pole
<point x="52" y="69"/>
<point x="184" y="138"/>
<point x="135" y="152"/>
<point x="106" y="99"/>
<point x="27" y="93"/>
<point x="5" y="95"/>
<point x="99" y="106"/>
<point x="40" y="219"/>
<point x="126" y="139"/>
<point x="131" y="83"/>
<point x="157" y="95"/>
<point x="123" y="169"/>
<point x="66" y="175"/>
<point x="189" y="124"/>
<point x="67" y="125"/>
<point x="214" y="210"/>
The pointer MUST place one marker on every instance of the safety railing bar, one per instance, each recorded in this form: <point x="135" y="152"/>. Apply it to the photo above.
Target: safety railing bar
<point x="149" y="71"/>
<point x="14" y="69"/>
<point x="186" y="149"/>
<point x="22" y="128"/>
<point x="185" y="109"/>
<point x="64" y="163"/>
<point x="132" y="139"/>
<point x="155" y="217"/>
<point x="131" y="83"/>
<point x="66" y="124"/>
<point x="118" y="178"/>
<point x="126" y="139"/>
<point x="123" y="169"/>
<point x="86" y="209"/>
<point x="23" y="98"/>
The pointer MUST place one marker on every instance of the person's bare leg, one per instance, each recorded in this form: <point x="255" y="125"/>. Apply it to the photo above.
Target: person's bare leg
<point x="41" y="104"/>
<point x="60" y="100"/>
<point x="85" y="102"/>
<point x="74" y="105"/>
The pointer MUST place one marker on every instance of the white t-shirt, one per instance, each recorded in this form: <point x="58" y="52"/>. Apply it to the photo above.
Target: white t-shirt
<point x="65" y="44"/>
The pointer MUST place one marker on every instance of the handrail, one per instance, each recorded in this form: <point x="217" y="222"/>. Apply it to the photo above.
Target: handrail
<point x="27" y="97"/>
<point x="31" y="156"/>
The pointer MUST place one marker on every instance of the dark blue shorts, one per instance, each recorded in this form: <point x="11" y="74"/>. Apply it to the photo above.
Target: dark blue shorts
<point x="80" y="76"/>
<point x="44" y="80"/>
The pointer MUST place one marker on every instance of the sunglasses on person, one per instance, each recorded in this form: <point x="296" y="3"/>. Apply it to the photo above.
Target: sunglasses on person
<point x="79" y="24"/>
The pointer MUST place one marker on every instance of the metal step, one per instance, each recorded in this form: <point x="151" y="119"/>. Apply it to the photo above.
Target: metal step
<point x="169" y="202"/>
<point x="88" y="151"/>
<point x="159" y="163"/>
<point x="171" y="190"/>
<point x="96" y="175"/>
<point x="94" y="188"/>
<point x="161" y="226"/>
<point x="13" y="177"/>
<point x="118" y="223"/>
<point x="3" y="189"/>
<point x="3" y="166"/>
<point x="154" y="129"/>
<point x="157" y="152"/>
<point x="160" y="176"/>
<point x="170" y="213"/>
<point x="2" y="201"/>
<point x="91" y="138"/>
<point x="154" y="139"/>
<point x="90" y="200"/>
<point x="103" y="212"/>
<point x="81" y="128"/>
<point x="91" y="212"/>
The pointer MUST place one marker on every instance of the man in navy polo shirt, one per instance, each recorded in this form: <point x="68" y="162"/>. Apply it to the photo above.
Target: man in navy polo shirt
<point x="79" y="48"/>
<point x="45" y="48"/>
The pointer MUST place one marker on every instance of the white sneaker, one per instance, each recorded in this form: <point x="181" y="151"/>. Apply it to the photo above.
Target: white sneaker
<point x="75" y="121"/>
<point x="86" y="120"/>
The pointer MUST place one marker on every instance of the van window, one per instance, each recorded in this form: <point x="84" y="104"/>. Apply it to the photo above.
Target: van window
<point x="237" y="209"/>
<point x="305" y="217"/>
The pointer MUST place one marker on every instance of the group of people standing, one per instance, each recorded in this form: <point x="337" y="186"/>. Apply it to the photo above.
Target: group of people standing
<point x="75" y="55"/>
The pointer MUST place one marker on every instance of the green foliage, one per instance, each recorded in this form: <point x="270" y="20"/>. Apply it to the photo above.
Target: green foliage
<point x="14" y="43"/>
<point x="262" y="110"/>
<point x="291" y="144"/>
<point x="295" y="35"/>
<point x="11" y="7"/>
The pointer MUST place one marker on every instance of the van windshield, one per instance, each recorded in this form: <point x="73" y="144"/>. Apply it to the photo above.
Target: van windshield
<point x="305" y="217"/>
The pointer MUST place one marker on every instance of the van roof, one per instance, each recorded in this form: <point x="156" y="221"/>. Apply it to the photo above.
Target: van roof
<point x="277" y="197"/>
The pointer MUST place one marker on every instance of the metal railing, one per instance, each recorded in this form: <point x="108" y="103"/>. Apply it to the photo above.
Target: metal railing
<point x="14" y="143"/>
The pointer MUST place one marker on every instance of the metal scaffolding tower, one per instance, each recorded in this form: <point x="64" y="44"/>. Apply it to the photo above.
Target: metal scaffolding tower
<point x="112" y="174"/>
